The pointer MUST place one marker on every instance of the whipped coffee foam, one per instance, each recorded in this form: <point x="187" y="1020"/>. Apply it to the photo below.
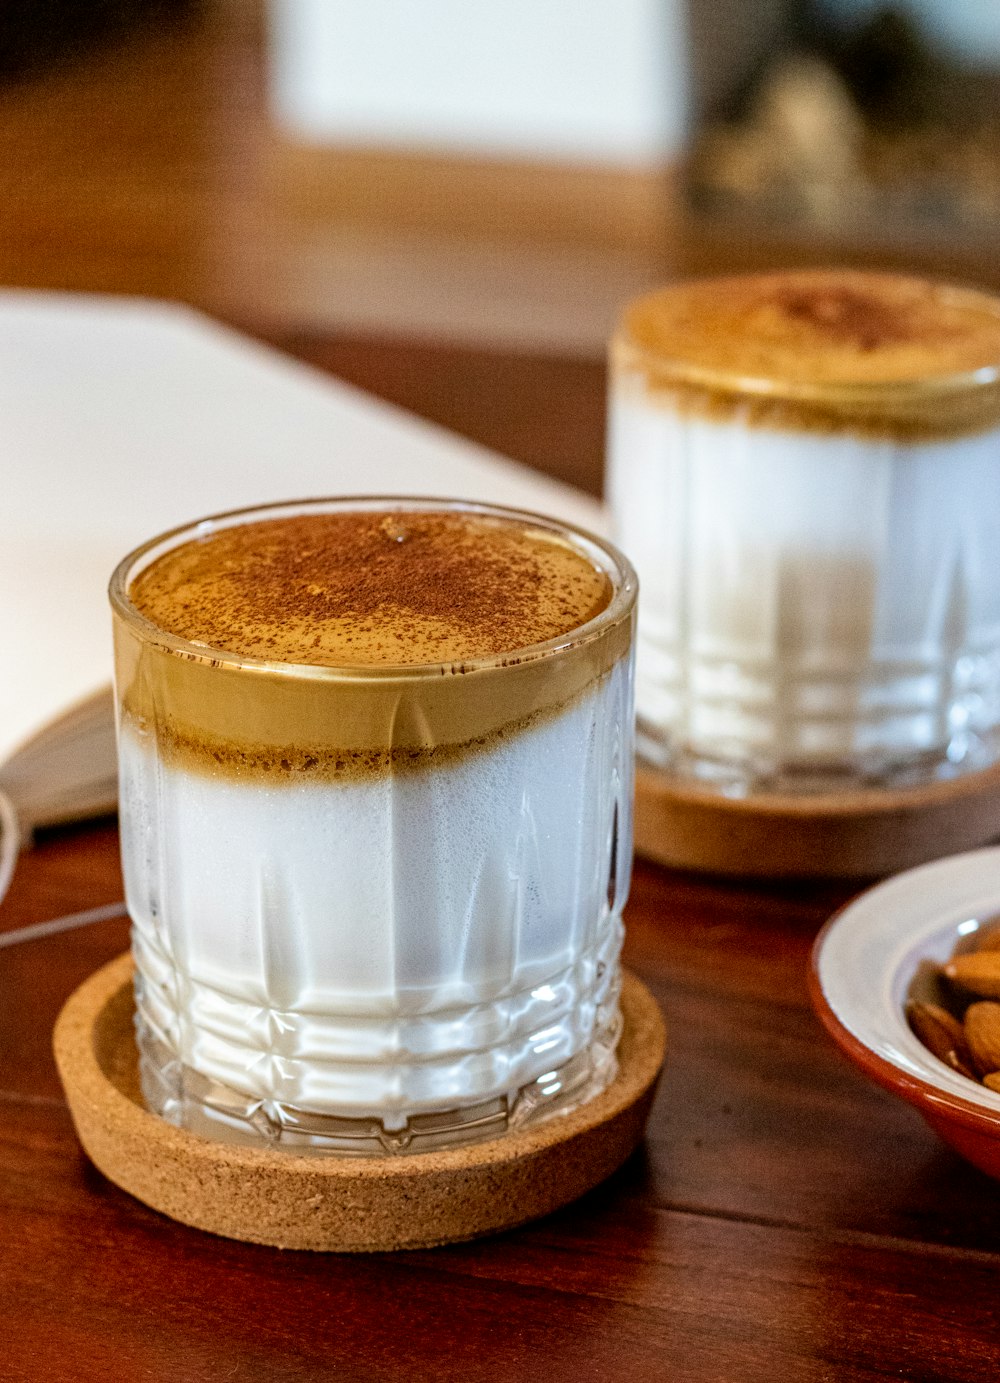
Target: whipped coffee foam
<point x="378" y="895"/>
<point x="367" y="587"/>
<point x="821" y="349"/>
<point x="805" y="469"/>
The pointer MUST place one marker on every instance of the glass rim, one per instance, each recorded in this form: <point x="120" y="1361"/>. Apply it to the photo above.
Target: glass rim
<point x="613" y="563"/>
<point x="888" y="396"/>
<point x="671" y="368"/>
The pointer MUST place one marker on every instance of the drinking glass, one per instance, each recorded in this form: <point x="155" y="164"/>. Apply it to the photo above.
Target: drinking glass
<point x="419" y="955"/>
<point x="820" y="604"/>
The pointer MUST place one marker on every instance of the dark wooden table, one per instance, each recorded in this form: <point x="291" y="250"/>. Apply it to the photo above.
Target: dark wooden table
<point x="785" y="1220"/>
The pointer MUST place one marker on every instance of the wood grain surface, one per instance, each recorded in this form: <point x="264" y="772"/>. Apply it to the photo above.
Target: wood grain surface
<point x="783" y="1221"/>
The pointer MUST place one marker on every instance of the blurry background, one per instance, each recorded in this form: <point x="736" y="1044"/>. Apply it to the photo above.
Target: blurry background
<point x="429" y="196"/>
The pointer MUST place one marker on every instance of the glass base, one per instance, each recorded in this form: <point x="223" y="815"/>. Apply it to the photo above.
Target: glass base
<point x="746" y="778"/>
<point x="183" y="1097"/>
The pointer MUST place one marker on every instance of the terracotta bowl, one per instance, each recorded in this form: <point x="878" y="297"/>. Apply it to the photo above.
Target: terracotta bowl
<point x="882" y="949"/>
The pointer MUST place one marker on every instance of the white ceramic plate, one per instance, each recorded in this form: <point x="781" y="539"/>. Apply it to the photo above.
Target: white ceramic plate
<point x="868" y="955"/>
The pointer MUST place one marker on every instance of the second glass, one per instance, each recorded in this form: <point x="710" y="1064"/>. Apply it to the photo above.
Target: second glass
<point x="805" y="469"/>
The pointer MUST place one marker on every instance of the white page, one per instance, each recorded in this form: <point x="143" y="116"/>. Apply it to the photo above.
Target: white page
<point x="120" y="418"/>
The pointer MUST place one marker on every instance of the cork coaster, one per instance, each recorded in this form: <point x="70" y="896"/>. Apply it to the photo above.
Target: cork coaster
<point x="353" y="1204"/>
<point x="860" y="834"/>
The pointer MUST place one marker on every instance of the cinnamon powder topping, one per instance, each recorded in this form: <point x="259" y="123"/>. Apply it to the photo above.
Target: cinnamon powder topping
<point x="859" y="321"/>
<point x="826" y="325"/>
<point x="821" y="350"/>
<point x="364" y="587"/>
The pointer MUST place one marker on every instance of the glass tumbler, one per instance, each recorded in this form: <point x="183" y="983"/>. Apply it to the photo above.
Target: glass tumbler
<point x="805" y="469"/>
<point x="420" y="957"/>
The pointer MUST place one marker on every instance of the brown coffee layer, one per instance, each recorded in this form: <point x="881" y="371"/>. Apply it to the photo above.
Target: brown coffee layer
<point x="340" y="710"/>
<point x="365" y="587"/>
<point x="821" y="349"/>
<point x="192" y="749"/>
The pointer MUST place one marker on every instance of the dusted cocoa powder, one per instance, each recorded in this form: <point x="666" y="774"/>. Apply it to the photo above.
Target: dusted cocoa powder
<point x="364" y="587"/>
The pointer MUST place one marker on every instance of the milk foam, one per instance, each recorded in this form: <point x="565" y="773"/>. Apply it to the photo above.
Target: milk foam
<point x="809" y="599"/>
<point x="413" y="942"/>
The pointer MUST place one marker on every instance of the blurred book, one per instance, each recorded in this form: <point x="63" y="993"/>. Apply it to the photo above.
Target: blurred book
<point x="120" y="418"/>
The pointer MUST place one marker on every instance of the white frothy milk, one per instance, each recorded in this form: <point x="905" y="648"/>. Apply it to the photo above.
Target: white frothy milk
<point x="810" y="600"/>
<point x="374" y="949"/>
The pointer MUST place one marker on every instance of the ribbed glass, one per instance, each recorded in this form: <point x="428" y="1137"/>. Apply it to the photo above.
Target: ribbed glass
<point x="386" y="965"/>
<point x="820" y="607"/>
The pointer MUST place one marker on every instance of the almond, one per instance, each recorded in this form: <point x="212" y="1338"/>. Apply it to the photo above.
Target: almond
<point x="982" y="1032"/>
<point x="942" y="1034"/>
<point x="976" y="971"/>
<point x="962" y="1067"/>
<point x="988" y="936"/>
<point x="992" y="1081"/>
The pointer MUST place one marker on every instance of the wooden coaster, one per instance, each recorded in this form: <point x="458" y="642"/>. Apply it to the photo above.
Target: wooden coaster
<point x="837" y="835"/>
<point x="352" y="1204"/>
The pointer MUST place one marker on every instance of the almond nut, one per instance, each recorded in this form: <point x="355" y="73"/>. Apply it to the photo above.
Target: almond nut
<point x="942" y="1034"/>
<point x="988" y="936"/>
<point x="992" y="1081"/>
<point x="982" y="1032"/>
<point x="976" y="971"/>
<point x="938" y="1029"/>
<point x="964" y="1068"/>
